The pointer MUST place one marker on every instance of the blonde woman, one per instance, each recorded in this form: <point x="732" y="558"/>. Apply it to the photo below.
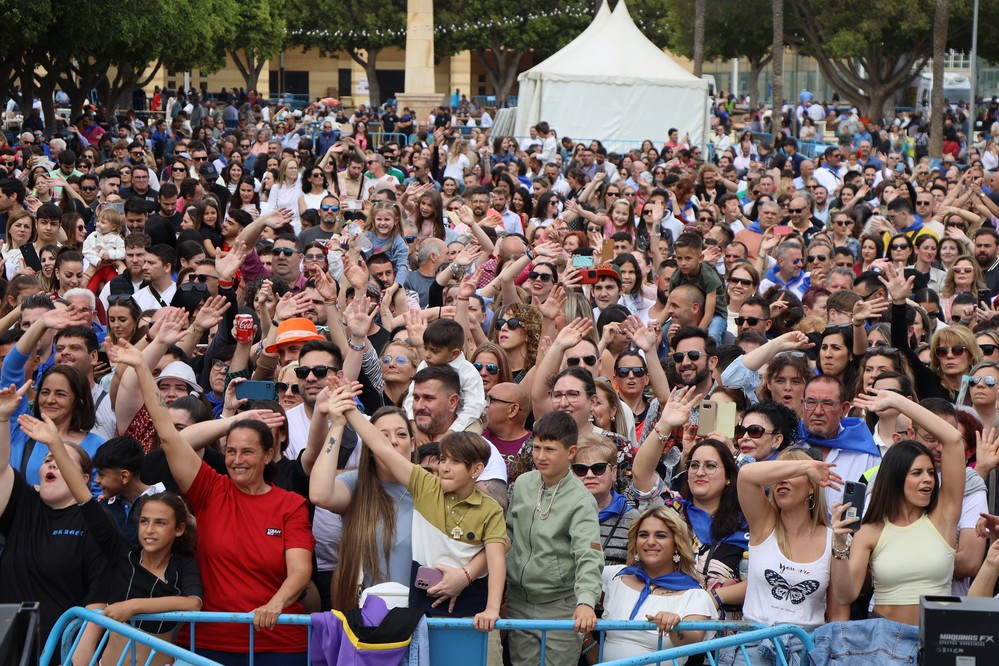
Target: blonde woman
<point x="661" y="584"/>
<point x="287" y="192"/>
<point x="790" y="544"/>
<point x="964" y="277"/>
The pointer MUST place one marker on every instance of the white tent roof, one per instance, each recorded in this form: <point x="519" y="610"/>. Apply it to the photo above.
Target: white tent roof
<point x="611" y="82"/>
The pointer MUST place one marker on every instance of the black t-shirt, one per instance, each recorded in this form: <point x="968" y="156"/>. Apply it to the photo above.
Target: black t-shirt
<point x="160" y="230"/>
<point x="128" y="579"/>
<point x="155" y="468"/>
<point x="389" y="121"/>
<point x="50" y="555"/>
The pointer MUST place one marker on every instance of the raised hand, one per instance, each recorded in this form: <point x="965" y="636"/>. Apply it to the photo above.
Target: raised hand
<point x="469" y="284"/>
<point x="227" y="265"/>
<point x="769" y="242"/>
<point x="61" y="318"/>
<point x="468" y="255"/>
<point x="359" y="315"/>
<point x="10" y="398"/>
<point x="325" y="285"/>
<point x="211" y="313"/>
<point x="871" y="309"/>
<point x="987" y="451"/>
<point x="42" y="430"/>
<point x="264" y="302"/>
<point x="172" y="326"/>
<point x="676" y="411"/>
<point x="573" y="334"/>
<point x="356" y="273"/>
<point x="277" y="218"/>
<point x="899" y="287"/>
<point x="341" y="401"/>
<point x="416" y="324"/>
<point x="877" y="401"/>
<point x="821" y="473"/>
<point x="292" y="305"/>
<point x="778" y="306"/>
<point x="554" y="305"/>
<point x="125" y="354"/>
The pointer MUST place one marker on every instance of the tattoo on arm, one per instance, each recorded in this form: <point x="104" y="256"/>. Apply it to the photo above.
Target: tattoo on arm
<point x="160" y="400"/>
<point x="332" y="443"/>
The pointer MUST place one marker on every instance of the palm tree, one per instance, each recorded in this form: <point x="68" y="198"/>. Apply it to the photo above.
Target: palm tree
<point x="937" y="96"/>
<point x="699" y="8"/>
<point x="778" y="68"/>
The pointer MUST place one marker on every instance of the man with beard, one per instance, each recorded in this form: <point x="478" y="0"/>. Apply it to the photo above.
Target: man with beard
<point x="287" y="262"/>
<point x="436" y="396"/>
<point x="987" y="254"/>
<point x="842" y="440"/>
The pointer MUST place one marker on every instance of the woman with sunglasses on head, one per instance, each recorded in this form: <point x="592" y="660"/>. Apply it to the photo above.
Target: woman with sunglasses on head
<point x="399" y="362"/>
<point x="966" y="277"/>
<point x="983" y="387"/>
<point x="879" y="359"/>
<point x="789" y="548"/>
<point x="765" y="429"/>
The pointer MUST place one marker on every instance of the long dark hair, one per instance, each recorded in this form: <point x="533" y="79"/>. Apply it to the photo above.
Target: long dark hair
<point x="886" y="498"/>
<point x="84" y="417"/>
<point x="186" y="544"/>
<point x="728" y="519"/>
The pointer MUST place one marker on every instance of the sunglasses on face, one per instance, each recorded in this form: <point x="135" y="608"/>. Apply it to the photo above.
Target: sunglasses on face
<point x="956" y="350"/>
<point x="962" y="270"/>
<point x="796" y="210"/>
<point x="881" y="350"/>
<point x="989" y="350"/>
<point x="812" y="258"/>
<point x="573" y="361"/>
<point x="286" y="251"/>
<point x="598" y="469"/>
<point x="330" y="207"/>
<point x="513" y="323"/>
<point x="694" y="355"/>
<point x="899" y="248"/>
<point x="491" y="368"/>
<point x="203" y="279"/>
<point x="284" y="387"/>
<point x="624" y="371"/>
<point x="752" y="321"/>
<point x="409" y="239"/>
<point x="399" y="360"/>
<point x="315" y="257"/>
<point x="544" y="277"/>
<point x="87" y="188"/>
<point x="745" y="282"/>
<point x="754" y="431"/>
<point x="320" y="371"/>
<point x="989" y="381"/>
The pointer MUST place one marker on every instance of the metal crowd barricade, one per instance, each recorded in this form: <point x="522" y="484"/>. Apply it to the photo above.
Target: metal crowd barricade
<point x="378" y="139"/>
<point x="453" y="642"/>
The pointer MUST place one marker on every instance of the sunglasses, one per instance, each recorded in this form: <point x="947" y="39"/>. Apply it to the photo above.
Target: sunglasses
<point x="491" y="368"/>
<point x="282" y="387"/>
<point x="796" y="210"/>
<point x="119" y="298"/>
<point x="194" y="286"/>
<point x="956" y="350"/>
<point x="598" y="469"/>
<point x="88" y="188"/>
<point x="203" y="279"/>
<point x="315" y="257"/>
<point x="840" y="223"/>
<point x="573" y="361"/>
<point x="962" y="270"/>
<point x="754" y="431"/>
<point x="975" y="381"/>
<point x="624" y="371"/>
<point x="513" y="323"/>
<point x="544" y="277"/>
<point x="745" y="282"/>
<point x="200" y="159"/>
<point x="752" y="321"/>
<point x="881" y="350"/>
<point x="409" y="239"/>
<point x="705" y="219"/>
<point x="286" y="251"/>
<point x="988" y="350"/>
<point x="812" y="258"/>
<point x="320" y="371"/>
<point x="399" y="360"/>
<point x="694" y="355"/>
<point x="329" y="207"/>
<point x="899" y="247"/>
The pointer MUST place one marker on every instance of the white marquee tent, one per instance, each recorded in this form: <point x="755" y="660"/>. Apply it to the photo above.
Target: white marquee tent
<point x="611" y="83"/>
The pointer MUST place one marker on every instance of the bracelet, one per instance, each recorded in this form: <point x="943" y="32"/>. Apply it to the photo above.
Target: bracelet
<point x="467" y="575"/>
<point x="461" y="299"/>
<point x="357" y="348"/>
<point x="226" y="284"/>
<point x="149" y="338"/>
<point x="841" y="553"/>
<point x="274" y="322"/>
<point x="329" y="302"/>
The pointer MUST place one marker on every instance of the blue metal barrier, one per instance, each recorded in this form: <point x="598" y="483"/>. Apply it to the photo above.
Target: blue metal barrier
<point x="457" y="642"/>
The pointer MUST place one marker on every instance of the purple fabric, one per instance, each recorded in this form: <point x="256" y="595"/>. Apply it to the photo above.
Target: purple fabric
<point x="331" y="647"/>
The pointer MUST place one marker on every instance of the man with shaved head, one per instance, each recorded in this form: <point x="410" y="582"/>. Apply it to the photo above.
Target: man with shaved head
<point x="507" y="406"/>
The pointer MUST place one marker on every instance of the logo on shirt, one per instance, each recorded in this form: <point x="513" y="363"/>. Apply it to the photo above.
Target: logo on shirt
<point x="77" y="533"/>
<point x="781" y="589"/>
<point x="273" y="531"/>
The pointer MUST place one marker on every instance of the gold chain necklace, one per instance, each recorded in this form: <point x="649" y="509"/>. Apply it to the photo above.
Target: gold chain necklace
<point x="457" y="532"/>
<point x="544" y="513"/>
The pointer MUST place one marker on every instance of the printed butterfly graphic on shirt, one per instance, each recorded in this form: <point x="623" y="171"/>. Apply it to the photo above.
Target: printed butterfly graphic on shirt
<point x="780" y="589"/>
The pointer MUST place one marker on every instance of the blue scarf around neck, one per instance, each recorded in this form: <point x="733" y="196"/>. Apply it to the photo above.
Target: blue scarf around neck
<point x="676" y="581"/>
<point x="855" y="436"/>
<point x="617" y="506"/>
<point x="701" y="522"/>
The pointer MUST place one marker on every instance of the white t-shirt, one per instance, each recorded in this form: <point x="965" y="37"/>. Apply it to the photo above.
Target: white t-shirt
<point x="619" y="600"/>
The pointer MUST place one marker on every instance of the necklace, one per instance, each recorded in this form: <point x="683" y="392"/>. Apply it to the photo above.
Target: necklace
<point x="544" y="513"/>
<point x="457" y="532"/>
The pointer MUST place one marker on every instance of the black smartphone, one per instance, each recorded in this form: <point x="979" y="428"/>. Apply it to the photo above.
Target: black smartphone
<point x="30" y="257"/>
<point x="102" y="357"/>
<point x="854" y="493"/>
<point x="984" y="297"/>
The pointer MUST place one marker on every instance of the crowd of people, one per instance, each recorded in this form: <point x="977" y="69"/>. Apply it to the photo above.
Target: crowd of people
<point x="495" y="376"/>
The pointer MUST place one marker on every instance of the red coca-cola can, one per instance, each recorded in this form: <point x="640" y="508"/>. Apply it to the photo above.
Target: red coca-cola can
<point x="244" y="328"/>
